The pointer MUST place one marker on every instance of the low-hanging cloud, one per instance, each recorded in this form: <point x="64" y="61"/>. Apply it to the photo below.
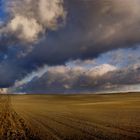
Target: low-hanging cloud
<point x="61" y="78"/>
<point x="91" y="74"/>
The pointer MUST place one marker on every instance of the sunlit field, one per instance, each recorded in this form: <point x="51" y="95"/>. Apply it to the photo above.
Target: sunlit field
<point x="70" y="117"/>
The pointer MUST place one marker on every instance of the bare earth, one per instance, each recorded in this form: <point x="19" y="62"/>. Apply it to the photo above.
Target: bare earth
<point x="70" y="117"/>
<point x="12" y="126"/>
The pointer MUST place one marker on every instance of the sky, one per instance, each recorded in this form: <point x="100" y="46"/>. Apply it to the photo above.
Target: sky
<point x="53" y="46"/>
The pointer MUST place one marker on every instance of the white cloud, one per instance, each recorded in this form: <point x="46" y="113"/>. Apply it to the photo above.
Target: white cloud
<point x="66" y="74"/>
<point x="101" y="70"/>
<point x="35" y="74"/>
<point x="25" y="28"/>
<point x="30" y="18"/>
<point x="49" y="11"/>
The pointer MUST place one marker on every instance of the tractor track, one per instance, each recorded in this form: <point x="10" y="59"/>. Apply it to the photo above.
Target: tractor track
<point x="12" y="126"/>
<point x="53" y="125"/>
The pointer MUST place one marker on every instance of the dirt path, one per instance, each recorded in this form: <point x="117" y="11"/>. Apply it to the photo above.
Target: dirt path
<point x="12" y="126"/>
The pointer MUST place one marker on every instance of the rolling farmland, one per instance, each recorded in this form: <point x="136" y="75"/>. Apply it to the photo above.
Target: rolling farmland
<point x="70" y="117"/>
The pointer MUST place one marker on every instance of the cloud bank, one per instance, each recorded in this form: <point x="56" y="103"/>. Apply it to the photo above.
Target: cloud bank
<point x="62" y="78"/>
<point x="87" y="75"/>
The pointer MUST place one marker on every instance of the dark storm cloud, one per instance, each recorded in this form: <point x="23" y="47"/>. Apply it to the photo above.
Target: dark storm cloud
<point x="22" y="24"/>
<point x="89" y="29"/>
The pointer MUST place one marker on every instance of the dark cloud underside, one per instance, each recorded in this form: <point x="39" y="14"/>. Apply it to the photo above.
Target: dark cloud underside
<point x="71" y="30"/>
